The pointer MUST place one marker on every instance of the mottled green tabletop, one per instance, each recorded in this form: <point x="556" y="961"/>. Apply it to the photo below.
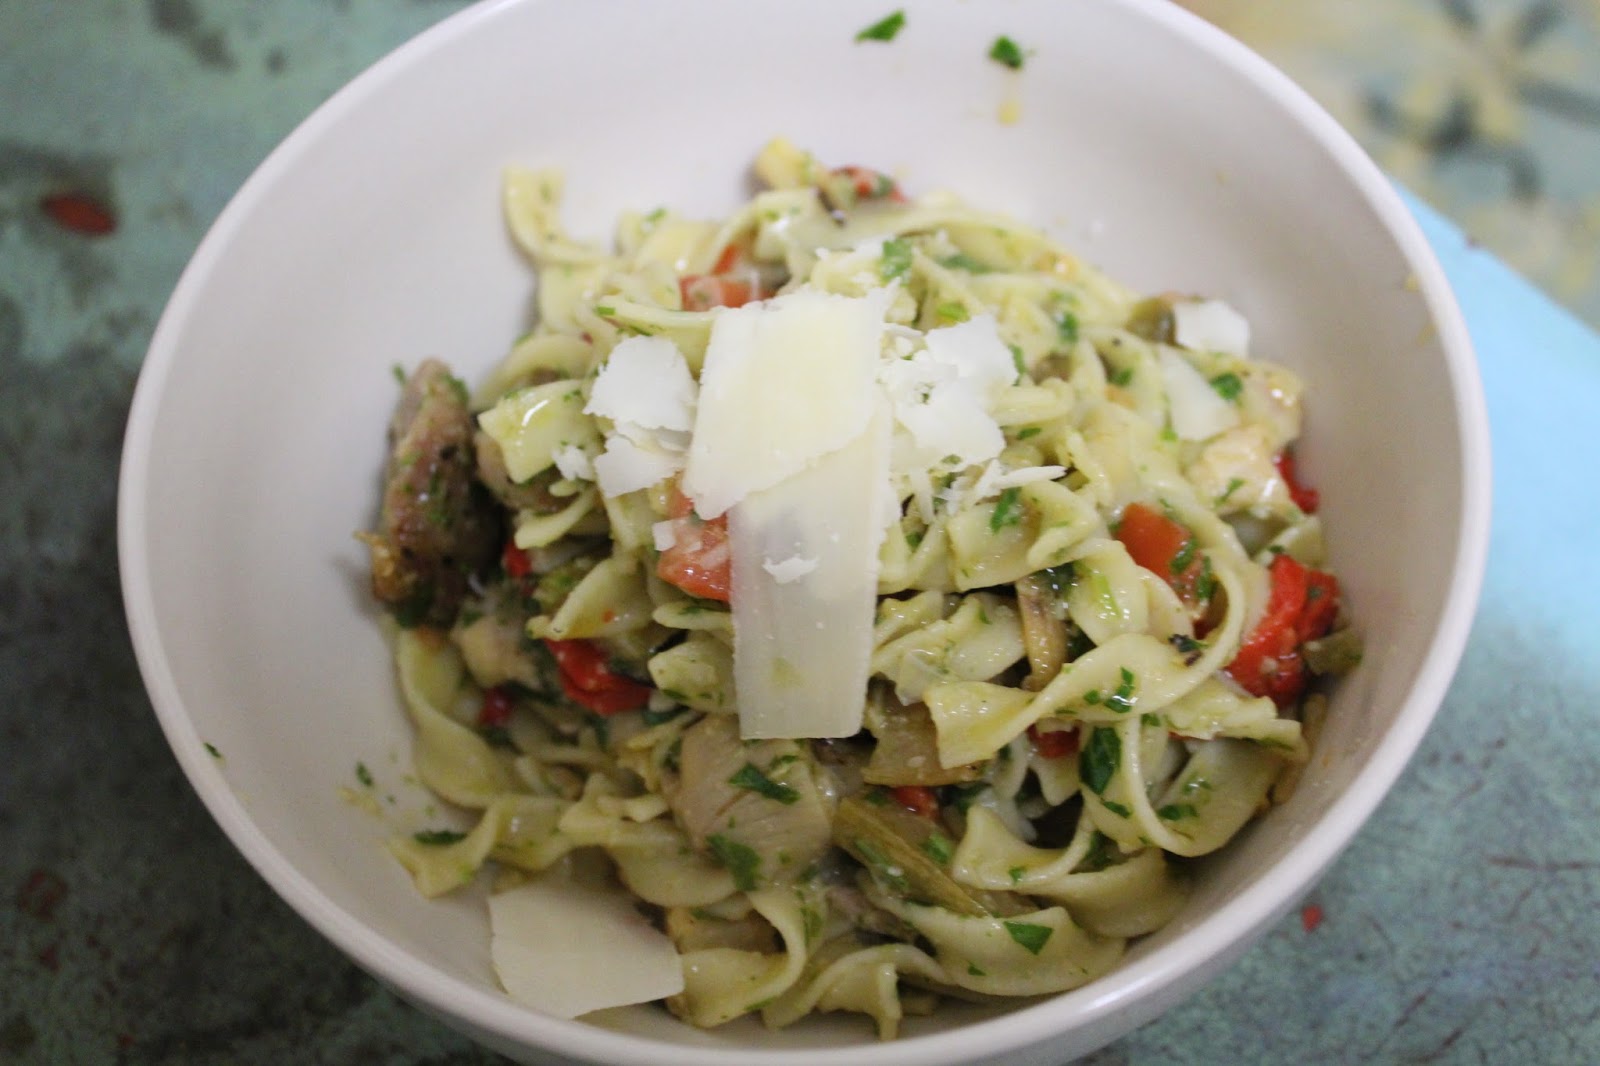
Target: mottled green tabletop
<point x="1464" y="923"/>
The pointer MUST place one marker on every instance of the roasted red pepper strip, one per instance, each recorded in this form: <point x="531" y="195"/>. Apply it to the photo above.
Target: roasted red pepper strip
<point x="918" y="799"/>
<point x="1163" y="546"/>
<point x="1054" y="743"/>
<point x="588" y="679"/>
<point x="514" y="561"/>
<point x="1304" y="497"/>
<point x="496" y="708"/>
<point x="699" y="561"/>
<point x="1302" y="606"/>
<point x="702" y="292"/>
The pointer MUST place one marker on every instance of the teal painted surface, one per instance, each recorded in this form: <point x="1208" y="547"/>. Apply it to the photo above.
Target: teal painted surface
<point x="1461" y="926"/>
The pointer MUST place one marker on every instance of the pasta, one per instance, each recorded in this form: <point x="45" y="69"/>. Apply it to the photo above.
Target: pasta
<point x="1094" y="609"/>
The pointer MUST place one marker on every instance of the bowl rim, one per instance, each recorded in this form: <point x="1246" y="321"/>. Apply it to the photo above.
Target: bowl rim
<point x="1138" y="990"/>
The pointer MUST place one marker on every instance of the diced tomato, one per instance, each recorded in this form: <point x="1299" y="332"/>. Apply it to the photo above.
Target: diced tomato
<point x="496" y="707"/>
<point x="514" y="561"/>
<point x="918" y="799"/>
<point x="702" y="292"/>
<point x="1311" y="917"/>
<point x="869" y="184"/>
<point x="699" y="561"/>
<point x="728" y="260"/>
<point x="1269" y="662"/>
<point x="588" y="679"/>
<point x="1162" y="545"/>
<point x="1304" y="497"/>
<point x="1054" y="743"/>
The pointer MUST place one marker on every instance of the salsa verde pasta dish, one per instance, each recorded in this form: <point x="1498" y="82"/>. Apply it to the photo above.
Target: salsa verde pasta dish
<point x="850" y="603"/>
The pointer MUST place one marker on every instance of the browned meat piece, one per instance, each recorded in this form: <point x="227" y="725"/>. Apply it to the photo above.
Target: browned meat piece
<point x="436" y="526"/>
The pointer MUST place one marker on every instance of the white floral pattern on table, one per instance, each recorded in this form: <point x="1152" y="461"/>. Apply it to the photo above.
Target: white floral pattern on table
<point x="1487" y="109"/>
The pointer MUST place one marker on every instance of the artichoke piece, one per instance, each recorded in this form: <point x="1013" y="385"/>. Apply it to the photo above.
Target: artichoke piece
<point x="907" y="748"/>
<point x="909" y="855"/>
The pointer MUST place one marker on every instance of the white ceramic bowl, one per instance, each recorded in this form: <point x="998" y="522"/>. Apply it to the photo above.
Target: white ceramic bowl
<point x="1160" y="148"/>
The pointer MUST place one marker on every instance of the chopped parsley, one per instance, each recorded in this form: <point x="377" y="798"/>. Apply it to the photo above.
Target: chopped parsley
<point x="1018" y="362"/>
<point x="1007" y="510"/>
<point x="738" y="859"/>
<point x="939" y="848"/>
<point x="1228" y="385"/>
<point x="1118" y="809"/>
<point x="1098" y="761"/>
<point x="1067" y="328"/>
<point x="884" y="29"/>
<point x="1005" y="52"/>
<point x="1121" y="378"/>
<point x="1183" y="556"/>
<point x="1122" y="700"/>
<point x="438" y="838"/>
<point x="896" y="259"/>
<point x="1205" y="586"/>
<point x="399" y="373"/>
<point x="963" y="261"/>
<point x="211" y="750"/>
<point x="604" y="310"/>
<point x="1015" y="873"/>
<point x="972" y="969"/>
<point x="1234" y="485"/>
<point x="753" y="780"/>
<point x="1028" y="431"/>
<point x="1031" y="936"/>
<point x="362" y="773"/>
<point x="1174" y="811"/>
<point x="951" y="311"/>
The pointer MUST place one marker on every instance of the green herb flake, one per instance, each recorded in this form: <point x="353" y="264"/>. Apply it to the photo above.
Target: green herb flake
<point x="1228" y="385"/>
<point x="211" y="750"/>
<point x="972" y="969"/>
<point x="738" y="859"/>
<point x="438" y="838"/>
<point x="1121" y="378"/>
<point x="399" y="373"/>
<point x="649" y="717"/>
<point x="753" y="780"/>
<point x="1098" y="761"/>
<point x="963" y="261"/>
<point x="1018" y="361"/>
<point x="1031" y="936"/>
<point x="1234" y="485"/>
<point x="884" y="29"/>
<point x="951" y="311"/>
<point x="1015" y="873"/>
<point x="1007" y="510"/>
<point x="1067" y="328"/>
<point x="1028" y="431"/>
<point x="362" y="773"/>
<point x="939" y="848"/>
<point x="1118" y="809"/>
<point x="1005" y="52"/>
<point x="1122" y="700"/>
<point x="1205" y="587"/>
<point x="1174" y="811"/>
<point x="1183" y="556"/>
<point x="895" y="261"/>
<point x="1150" y="721"/>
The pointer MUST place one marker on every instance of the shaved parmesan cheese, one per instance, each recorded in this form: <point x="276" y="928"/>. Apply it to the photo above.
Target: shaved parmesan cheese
<point x="555" y="945"/>
<point x="791" y="569"/>
<point x="625" y="466"/>
<point x="574" y="463"/>
<point x="1211" y="326"/>
<point x="645" y="382"/>
<point x="1197" y="411"/>
<point x="942" y="394"/>
<point x="784" y="381"/>
<point x="802" y="641"/>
